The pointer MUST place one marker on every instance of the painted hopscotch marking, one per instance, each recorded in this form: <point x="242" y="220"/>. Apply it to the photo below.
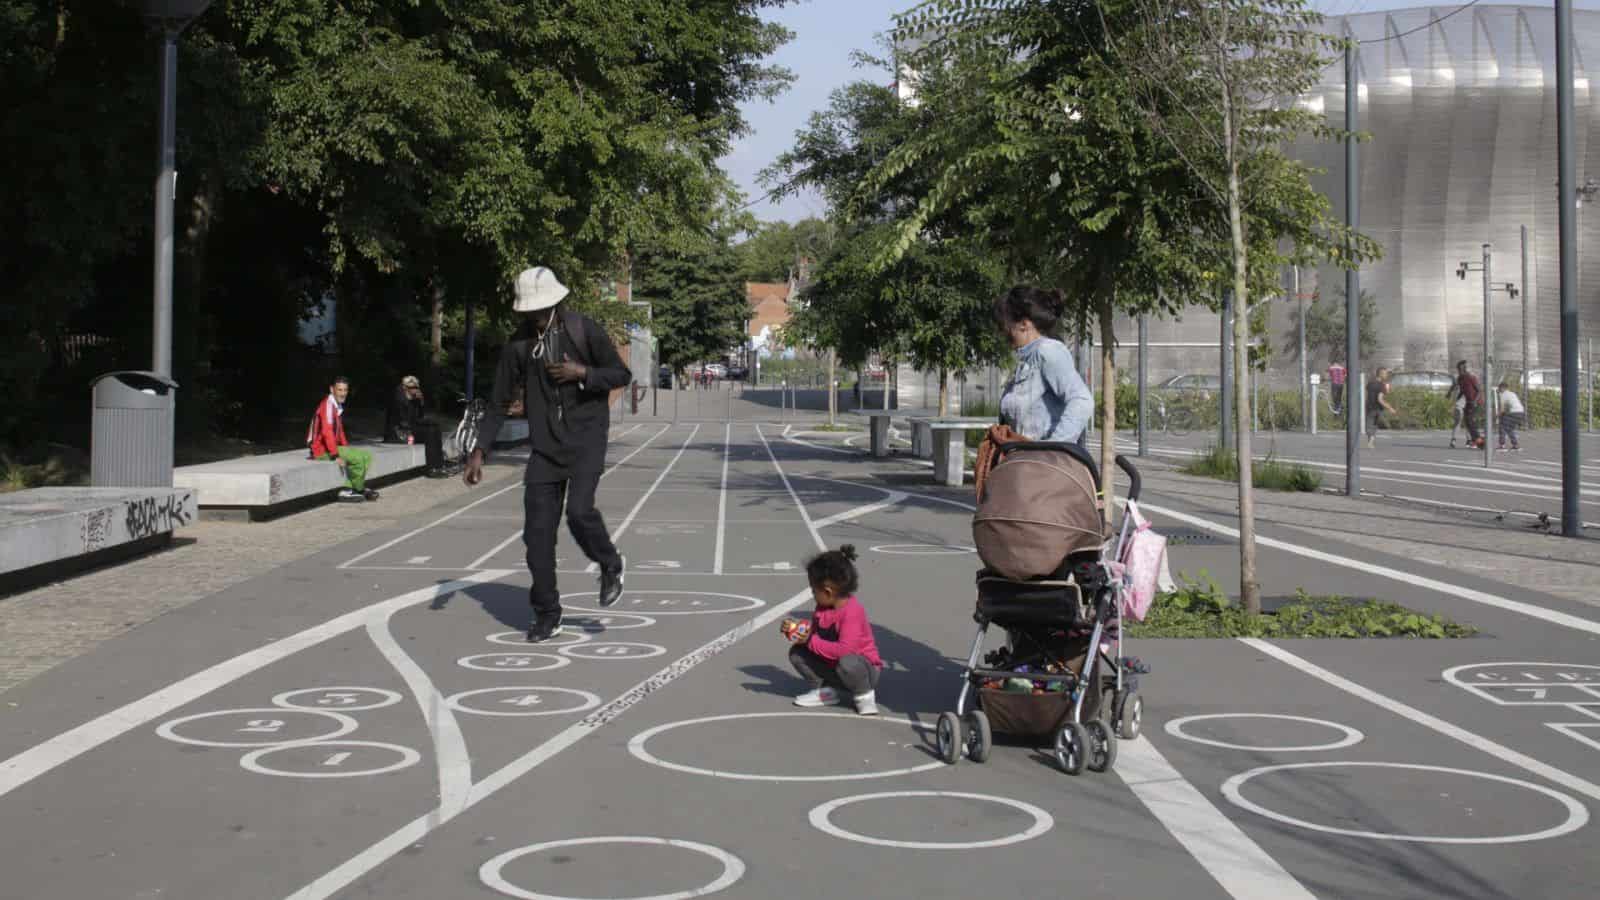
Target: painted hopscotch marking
<point x="522" y="701"/>
<point x="511" y="662"/>
<point x="264" y="726"/>
<point x="821" y="819"/>
<point x="492" y="873"/>
<point x="636" y="746"/>
<point x="613" y="650"/>
<point x="673" y="603"/>
<point x="345" y="699"/>
<point x="1574" y="687"/>
<point x="331" y="765"/>
<point x="1350" y="737"/>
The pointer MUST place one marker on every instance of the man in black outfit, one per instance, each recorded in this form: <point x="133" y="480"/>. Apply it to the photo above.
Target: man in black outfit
<point x="407" y="419"/>
<point x="567" y="367"/>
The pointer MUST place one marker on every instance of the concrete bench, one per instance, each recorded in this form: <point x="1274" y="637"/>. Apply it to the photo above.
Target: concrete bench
<point x="950" y="446"/>
<point x="267" y="484"/>
<point x="45" y="531"/>
<point x="879" y="420"/>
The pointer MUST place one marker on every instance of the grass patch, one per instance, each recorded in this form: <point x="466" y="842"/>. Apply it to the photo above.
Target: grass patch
<point x="46" y="467"/>
<point x="1269" y="473"/>
<point x="826" y="427"/>
<point x="1200" y="609"/>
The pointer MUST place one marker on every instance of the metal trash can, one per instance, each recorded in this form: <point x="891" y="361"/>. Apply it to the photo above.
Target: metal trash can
<point x="130" y="440"/>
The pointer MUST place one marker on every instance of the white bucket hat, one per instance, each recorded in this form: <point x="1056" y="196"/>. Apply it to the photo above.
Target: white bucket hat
<point x="538" y="288"/>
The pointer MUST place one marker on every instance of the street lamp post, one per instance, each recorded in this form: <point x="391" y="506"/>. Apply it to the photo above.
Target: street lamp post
<point x="170" y="17"/>
<point x="1487" y="387"/>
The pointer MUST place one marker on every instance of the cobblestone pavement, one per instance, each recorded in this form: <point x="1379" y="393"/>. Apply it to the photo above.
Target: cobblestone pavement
<point x="45" y="626"/>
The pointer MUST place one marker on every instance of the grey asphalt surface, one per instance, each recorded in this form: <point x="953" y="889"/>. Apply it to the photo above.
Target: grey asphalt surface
<point x="116" y="809"/>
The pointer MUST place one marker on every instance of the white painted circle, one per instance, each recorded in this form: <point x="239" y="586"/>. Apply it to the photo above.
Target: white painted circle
<point x="252" y="760"/>
<point x="604" y="621"/>
<point x="520" y="639"/>
<point x="389" y="698"/>
<point x="610" y="650"/>
<point x="472" y="662"/>
<point x="1452" y="675"/>
<point x="732" y="867"/>
<point x="752" y="603"/>
<point x="821" y="819"/>
<point x="1577" y="814"/>
<point x="1351" y="735"/>
<point x="269" y="736"/>
<point x="923" y="549"/>
<point x="590" y="701"/>
<point x="637" y="748"/>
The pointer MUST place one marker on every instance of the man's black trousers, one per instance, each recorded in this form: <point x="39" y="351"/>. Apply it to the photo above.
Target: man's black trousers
<point x="541" y="508"/>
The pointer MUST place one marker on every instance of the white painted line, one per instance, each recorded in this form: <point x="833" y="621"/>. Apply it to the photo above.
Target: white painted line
<point x="251" y="762"/>
<point x="1349" y="737"/>
<point x="722" y="500"/>
<point x="517" y="535"/>
<point x="636" y="746"/>
<point x="1555" y="617"/>
<point x="37" y="760"/>
<point x="805" y="516"/>
<point x="893" y="498"/>
<point x="492" y="874"/>
<point x="451" y="760"/>
<point x="372" y="857"/>
<point x="1477" y="742"/>
<point x="416" y="531"/>
<point x="617" y="533"/>
<point x="1238" y="864"/>
<point x="821" y="818"/>
<point x="418" y="560"/>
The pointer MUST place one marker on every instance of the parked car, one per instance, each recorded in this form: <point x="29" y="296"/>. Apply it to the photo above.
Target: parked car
<point x="1433" y="381"/>
<point x="664" y="377"/>
<point x="1191" y="382"/>
<point x="717" y="370"/>
<point x="738" y="373"/>
<point x="1550" y="379"/>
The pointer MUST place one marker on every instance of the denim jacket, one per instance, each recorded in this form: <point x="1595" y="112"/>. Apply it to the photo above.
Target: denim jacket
<point x="1046" y="399"/>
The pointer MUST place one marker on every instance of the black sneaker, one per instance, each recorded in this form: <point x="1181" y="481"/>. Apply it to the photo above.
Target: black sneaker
<point x="370" y="494"/>
<point x="611" y="583"/>
<point x="544" y="628"/>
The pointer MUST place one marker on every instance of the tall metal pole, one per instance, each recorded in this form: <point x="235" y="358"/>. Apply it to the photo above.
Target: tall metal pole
<point x="1488" y="391"/>
<point x="472" y="347"/>
<point x="1144" y="353"/>
<point x="1305" y="393"/>
<point x="1225" y="423"/>
<point x="1352" y="280"/>
<point x="166" y="197"/>
<point x="1527" y="321"/>
<point x="1567" y="178"/>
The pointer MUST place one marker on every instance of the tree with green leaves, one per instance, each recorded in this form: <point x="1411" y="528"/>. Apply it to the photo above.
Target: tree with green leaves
<point x="1217" y="80"/>
<point x="774" y="250"/>
<point x="697" y="298"/>
<point x="1325" y="326"/>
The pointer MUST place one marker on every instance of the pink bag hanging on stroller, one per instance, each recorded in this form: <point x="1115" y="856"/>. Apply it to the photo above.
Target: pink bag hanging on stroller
<point x="1144" y="560"/>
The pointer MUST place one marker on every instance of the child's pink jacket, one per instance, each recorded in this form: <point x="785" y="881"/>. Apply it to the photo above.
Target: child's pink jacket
<point x="842" y="631"/>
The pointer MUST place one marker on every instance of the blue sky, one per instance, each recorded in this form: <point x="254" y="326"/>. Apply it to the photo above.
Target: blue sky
<point x="826" y="31"/>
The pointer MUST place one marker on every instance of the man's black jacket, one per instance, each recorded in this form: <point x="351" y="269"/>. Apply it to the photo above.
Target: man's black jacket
<point x="567" y="423"/>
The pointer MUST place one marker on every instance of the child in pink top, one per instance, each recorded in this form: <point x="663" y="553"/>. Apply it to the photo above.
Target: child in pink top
<point x="836" y="652"/>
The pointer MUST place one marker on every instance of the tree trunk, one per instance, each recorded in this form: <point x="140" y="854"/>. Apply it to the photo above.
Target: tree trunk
<point x="1108" y="412"/>
<point x="436" y="337"/>
<point x="944" y="391"/>
<point x="1249" y="590"/>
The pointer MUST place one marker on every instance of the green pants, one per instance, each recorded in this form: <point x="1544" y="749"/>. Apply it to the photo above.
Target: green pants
<point x="356" y="464"/>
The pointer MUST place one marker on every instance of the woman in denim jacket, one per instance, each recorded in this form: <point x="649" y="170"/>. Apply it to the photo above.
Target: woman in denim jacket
<point x="1045" y="399"/>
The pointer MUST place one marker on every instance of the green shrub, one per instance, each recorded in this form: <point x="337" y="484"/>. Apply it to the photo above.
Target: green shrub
<point x="1269" y="473"/>
<point x="1200" y="609"/>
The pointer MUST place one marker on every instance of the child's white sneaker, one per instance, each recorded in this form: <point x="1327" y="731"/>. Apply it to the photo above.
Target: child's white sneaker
<point x="820" y="697"/>
<point x="867" y="704"/>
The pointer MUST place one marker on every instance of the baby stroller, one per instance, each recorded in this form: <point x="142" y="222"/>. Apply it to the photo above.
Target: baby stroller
<point x="1061" y="672"/>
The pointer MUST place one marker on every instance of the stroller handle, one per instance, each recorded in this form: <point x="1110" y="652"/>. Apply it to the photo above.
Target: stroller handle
<point x="1134" y="481"/>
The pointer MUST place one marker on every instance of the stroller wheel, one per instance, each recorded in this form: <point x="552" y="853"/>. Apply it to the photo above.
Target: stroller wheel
<point x="980" y="739"/>
<point x="1071" y="747"/>
<point x="948" y="734"/>
<point x="1102" y="750"/>
<point x="1130" y="715"/>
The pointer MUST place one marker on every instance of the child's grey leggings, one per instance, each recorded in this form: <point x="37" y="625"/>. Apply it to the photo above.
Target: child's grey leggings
<point x="852" y="673"/>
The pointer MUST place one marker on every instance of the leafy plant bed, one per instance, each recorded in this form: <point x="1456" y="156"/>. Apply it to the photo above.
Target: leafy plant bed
<point x="1200" y="609"/>
<point x="826" y="427"/>
<point x="1268" y="473"/>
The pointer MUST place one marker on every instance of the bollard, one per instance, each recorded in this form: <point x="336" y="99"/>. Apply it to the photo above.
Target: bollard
<point x="1315" y="380"/>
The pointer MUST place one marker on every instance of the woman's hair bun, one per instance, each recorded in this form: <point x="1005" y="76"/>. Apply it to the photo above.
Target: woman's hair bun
<point x="1058" y="302"/>
<point x="849" y="551"/>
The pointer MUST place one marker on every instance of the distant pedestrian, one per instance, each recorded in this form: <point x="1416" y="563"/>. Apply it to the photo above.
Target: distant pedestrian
<point x="1377" y="405"/>
<point x="327" y="440"/>
<point x="1458" y="408"/>
<point x="1336" y="379"/>
<point x="567" y="368"/>
<point x="1512" y="415"/>
<point x="407" y="422"/>
<point x="835" y="650"/>
<point x="1473" y="394"/>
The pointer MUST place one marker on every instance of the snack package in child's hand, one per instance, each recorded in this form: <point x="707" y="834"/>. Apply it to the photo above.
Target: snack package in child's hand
<point x="796" y="630"/>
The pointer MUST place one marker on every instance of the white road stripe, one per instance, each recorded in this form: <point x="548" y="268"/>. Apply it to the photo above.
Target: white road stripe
<point x="451" y="759"/>
<point x="1477" y="742"/>
<point x="722" y="499"/>
<point x="39" y="759"/>
<point x="1554" y="617"/>
<point x="615" y="535"/>
<point x="517" y="535"/>
<point x="418" y="560"/>
<point x="1237" y="863"/>
<point x="805" y="515"/>
<point x="850" y="514"/>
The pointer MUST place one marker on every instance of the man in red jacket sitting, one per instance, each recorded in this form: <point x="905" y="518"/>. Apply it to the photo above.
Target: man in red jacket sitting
<point x="328" y="441"/>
